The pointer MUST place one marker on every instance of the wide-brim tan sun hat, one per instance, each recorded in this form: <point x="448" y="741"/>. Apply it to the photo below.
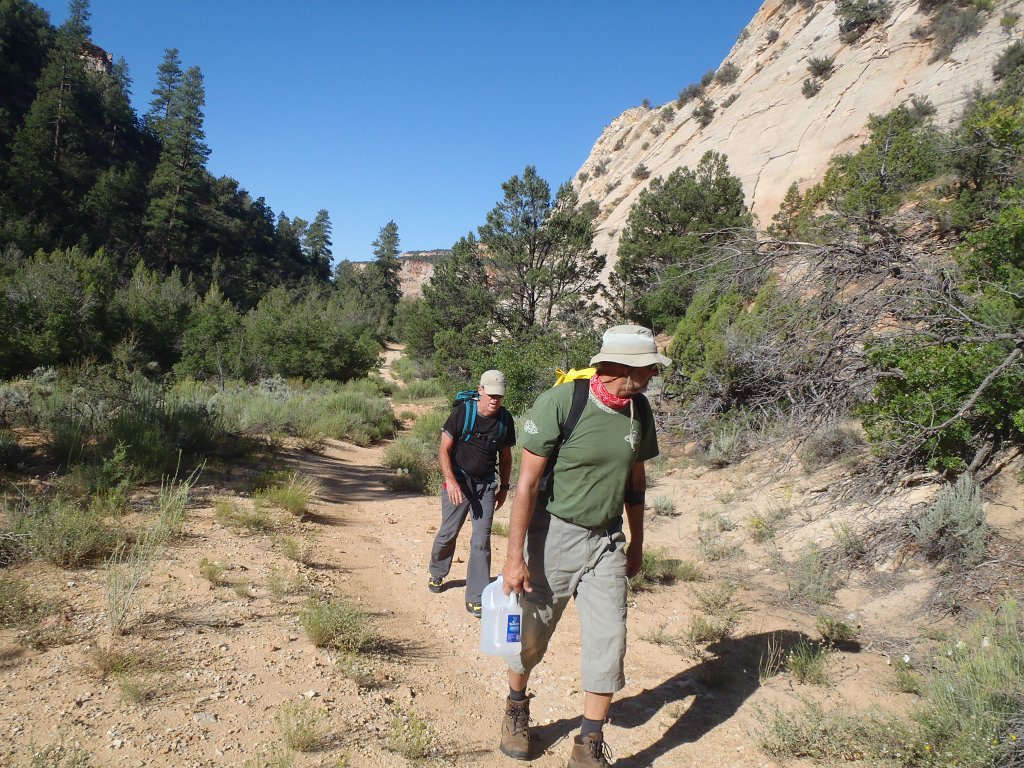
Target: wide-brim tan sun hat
<point x="631" y="345"/>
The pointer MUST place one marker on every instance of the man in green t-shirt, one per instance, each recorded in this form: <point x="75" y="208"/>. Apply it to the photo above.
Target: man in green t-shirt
<point x="566" y="536"/>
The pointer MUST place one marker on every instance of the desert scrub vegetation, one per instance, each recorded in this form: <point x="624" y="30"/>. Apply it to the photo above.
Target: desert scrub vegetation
<point x="641" y="172"/>
<point x="812" y="577"/>
<point x="728" y="73"/>
<point x="356" y="411"/>
<point x="821" y="67"/>
<point x="856" y="17"/>
<point x="302" y="726"/>
<point x="811" y="87"/>
<point x="420" y="389"/>
<point x="290" y="492"/>
<point x="18" y="607"/>
<point x="337" y="623"/>
<point x="829" y="443"/>
<point x="409" y="736"/>
<point x="704" y="112"/>
<point x="414" y="456"/>
<point x="663" y="506"/>
<point x="236" y="514"/>
<point x="970" y="713"/>
<point x="660" y="569"/>
<point x="131" y="562"/>
<point x="954" y="527"/>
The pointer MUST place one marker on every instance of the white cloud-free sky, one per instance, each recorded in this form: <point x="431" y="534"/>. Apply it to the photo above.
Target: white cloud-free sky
<point x="411" y="110"/>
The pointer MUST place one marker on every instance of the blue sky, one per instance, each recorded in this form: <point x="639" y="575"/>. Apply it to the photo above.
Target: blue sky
<point x="411" y="110"/>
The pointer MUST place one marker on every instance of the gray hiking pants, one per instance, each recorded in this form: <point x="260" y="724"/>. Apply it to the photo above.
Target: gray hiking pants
<point x="478" y="503"/>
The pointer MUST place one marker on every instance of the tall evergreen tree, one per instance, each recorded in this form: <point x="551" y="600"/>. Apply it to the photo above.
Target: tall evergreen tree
<point x="384" y="272"/>
<point x="317" y="245"/>
<point x="168" y="79"/>
<point x="26" y="35"/>
<point x="178" y="184"/>
<point x="49" y="169"/>
<point x="668" y="230"/>
<point x="539" y="251"/>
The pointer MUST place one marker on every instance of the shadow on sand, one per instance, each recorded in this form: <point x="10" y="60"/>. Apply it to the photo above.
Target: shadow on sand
<point x="733" y="666"/>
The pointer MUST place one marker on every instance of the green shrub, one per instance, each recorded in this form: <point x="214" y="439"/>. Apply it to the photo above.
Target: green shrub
<point x="828" y="444"/>
<point x="338" y="624"/>
<point x="641" y="172"/>
<point x="1009" y="60"/>
<point x="292" y="493"/>
<point x="811" y="578"/>
<point x="808" y="663"/>
<point x="657" y="568"/>
<point x="688" y="94"/>
<point x="974" y="695"/>
<point x="951" y="26"/>
<point x="728" y="73"/>
<point x="834" y="736"/>
<point x="421" y="389"/>
<point x="954" y="527"/>
<point x="307" y="335"/>
<point x="664" y="507"/>
<point x="230" y="515"/>
<point x="66" y="535"/>
<point x="821" y="67"/>
<point x="704" y="113"/>
<point x="857" y="16"/>
<point x="18" y="608"/>
<point x="415" y="462"/>
<point x="409" y="736"/>
<point x="302" y="726"/>
<point x="811" y="88"/>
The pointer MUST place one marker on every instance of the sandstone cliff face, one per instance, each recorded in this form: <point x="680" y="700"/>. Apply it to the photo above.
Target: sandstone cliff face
<point x="772" y="134"/>
<point x="417" y="269"/>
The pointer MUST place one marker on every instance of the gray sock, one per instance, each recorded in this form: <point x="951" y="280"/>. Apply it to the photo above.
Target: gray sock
<point x="588" y="726"/>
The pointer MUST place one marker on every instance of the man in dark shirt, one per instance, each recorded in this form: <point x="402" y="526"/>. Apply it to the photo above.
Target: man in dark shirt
<point x="471" y="484"/>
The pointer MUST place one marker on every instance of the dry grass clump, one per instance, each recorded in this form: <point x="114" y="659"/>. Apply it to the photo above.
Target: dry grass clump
<point x="302" y="726"/>
<point x="660" y="569"/>
<point x="811" y="578"/>
<point x="291" y="493"/>
<point x="409" y="736"/>
<point x="298" y="550"/>
<point x="230" y="515"/>
<point x="338" y="624"/>
<point x="18" y="608"/>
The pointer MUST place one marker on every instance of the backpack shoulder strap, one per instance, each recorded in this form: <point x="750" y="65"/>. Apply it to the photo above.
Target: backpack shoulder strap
<point x="469" y="419"/>
<point x="503" y="417"/>
<point x="580" y="393"/>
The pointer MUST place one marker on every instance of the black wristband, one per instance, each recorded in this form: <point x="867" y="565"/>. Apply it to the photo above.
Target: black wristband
<point x="504" y="487"/>
<point x="634" y="497"/>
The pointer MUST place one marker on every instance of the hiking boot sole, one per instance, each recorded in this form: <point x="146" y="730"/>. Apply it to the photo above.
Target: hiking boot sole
<point x="514" y="754"/>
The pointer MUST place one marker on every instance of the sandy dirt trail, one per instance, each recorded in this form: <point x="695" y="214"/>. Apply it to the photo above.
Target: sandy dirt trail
<point x="224" y="661"/>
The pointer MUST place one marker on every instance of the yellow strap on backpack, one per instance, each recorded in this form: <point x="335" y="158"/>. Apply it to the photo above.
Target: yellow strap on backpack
<point x="572" y="374"/>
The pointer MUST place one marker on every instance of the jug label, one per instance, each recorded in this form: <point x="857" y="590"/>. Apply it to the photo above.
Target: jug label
<point x="514" y="627"/>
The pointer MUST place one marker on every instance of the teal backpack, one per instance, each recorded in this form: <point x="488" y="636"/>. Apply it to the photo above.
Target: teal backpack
<point x="470" y="398"/>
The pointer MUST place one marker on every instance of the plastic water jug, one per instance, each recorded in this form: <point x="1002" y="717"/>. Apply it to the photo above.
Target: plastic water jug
<point x="501" y="621"/>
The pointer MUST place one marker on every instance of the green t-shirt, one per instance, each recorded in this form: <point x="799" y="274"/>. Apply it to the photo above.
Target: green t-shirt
<point x="592" y="466"/>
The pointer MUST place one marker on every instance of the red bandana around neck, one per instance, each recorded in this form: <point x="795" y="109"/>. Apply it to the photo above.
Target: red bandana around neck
<point x="601" y="393"/>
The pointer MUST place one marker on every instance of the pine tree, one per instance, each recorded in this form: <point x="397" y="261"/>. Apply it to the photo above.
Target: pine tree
<point x="49" y="169"/>
<point x="179" y="181"/>
<point x="388" y="267"/>
<point x="668" y="231"/>
<point x="540" y="253"/>
<point x="168" y="81"/>
<point x="317" y="243"/>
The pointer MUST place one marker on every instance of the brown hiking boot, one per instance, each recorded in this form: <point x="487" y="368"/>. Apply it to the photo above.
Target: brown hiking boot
<point x="590" y="751"/>
<point x="515" y="729"/>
